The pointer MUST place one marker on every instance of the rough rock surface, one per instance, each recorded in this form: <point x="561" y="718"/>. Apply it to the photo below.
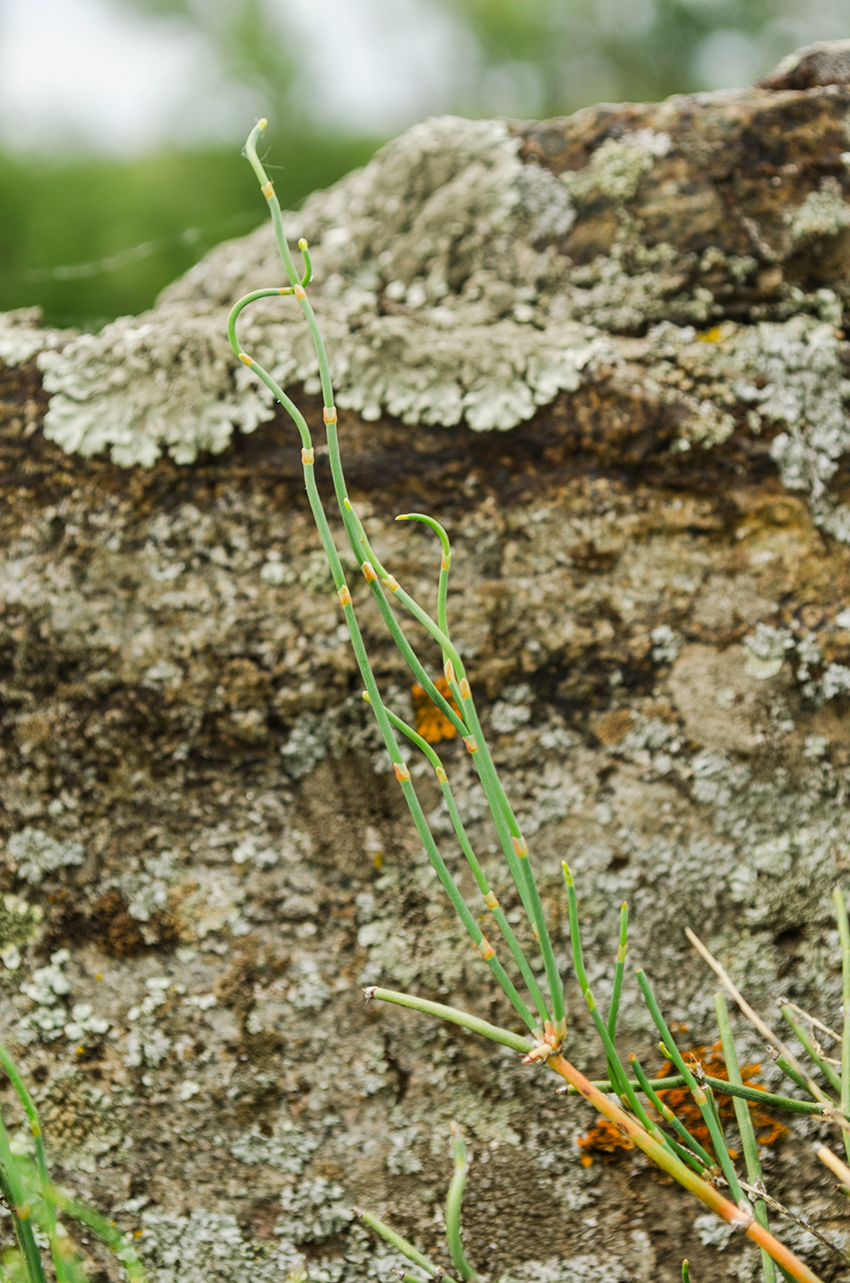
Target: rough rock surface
<point x="205" y="854"/>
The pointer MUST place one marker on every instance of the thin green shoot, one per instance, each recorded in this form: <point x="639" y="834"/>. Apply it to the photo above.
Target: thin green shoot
<point x="57" y="1248"/>
<point x="788" y="1062"/>
<point x="705" y="1105"/>
<point x="454" y="1205"/>
<point x="844" y="937"/>
<point x="445" y="565"/>
<point x="791" y="1073"/>
<point x="456" y="1017"/>
<point x="402" y="1245"/>
<point x="619" y="971"/>
<point x="745" y="1125"/>
<point x="477" y="872"/>
<point x="14" y="1189"/>
<point x="624" y="1088"/>
<point x="766" y="1098"/>
<point x="703" y="1157"/>
<point x="823" y="1065"/>
<point x="349" y="520"/>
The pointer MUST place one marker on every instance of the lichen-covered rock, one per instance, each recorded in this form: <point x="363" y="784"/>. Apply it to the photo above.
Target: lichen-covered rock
<point x="205" y="856"/>
<point x="476" y="270"/>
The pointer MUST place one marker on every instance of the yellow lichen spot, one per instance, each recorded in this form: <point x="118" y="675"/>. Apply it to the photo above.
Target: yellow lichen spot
<point x="431" y="723"/>
<point x="712" y="335"/>
<point x="378" y="859"/>
<point x="98" y="975"/>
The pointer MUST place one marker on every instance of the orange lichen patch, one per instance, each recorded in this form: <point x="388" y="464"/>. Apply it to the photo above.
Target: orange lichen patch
<point x="605" y="1141"/>
<point x="431" y="724"/>
<point x="767" y="1128"/>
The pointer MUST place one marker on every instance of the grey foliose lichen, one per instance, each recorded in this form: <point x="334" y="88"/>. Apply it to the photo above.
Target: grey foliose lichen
<point x="37" y="854"/>
<point x="21" y="336"/>
<point x="142" y="386"/>
<point x="437" y="276"/>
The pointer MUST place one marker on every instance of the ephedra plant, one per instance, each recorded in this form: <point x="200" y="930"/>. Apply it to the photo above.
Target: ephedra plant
<point x="533" y="986"/>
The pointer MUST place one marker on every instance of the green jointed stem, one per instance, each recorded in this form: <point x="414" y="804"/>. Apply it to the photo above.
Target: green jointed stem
<point x="496" y="910"/>
<point x="790" y="1072"/>
<point x="477" y="872"/>
<point x="20" y="1088"/>
<point x="308" y="262"/>
<point x="844" y="937"/>
<point x="15" y="1192"/>
<point x="745" y="1125"/>
<point x="445" y="564"/>
<point x="826" y="1069"/>
<point x="363" y="549"/>
<point x="623" y="1087"/>
<point x="250" y="151"/>
<point x="242" y="304"/>
<point x="453" y="1014"/>
<point x="459" y="904"/>
<point x="454" y="1204"/>
<point x="371" y="685"/>
<point x="401" y="1244"/>
<point x="619" y="970"/>
<point x="553" y="975"/>
<point x="686" y="1272"/>
<point x="767" y="1098"/>
<point x="516" y="855"/>
<point x="664" y="1110"/>
<point x="494" y="792"/>
<point x="506" y="826"/>
<point x="369" y="680"/>
<point x="435" y="525"/>
<point x="108" y="1234"/>
<point x="699" y="1095"/>
<point x="394" y="628"/>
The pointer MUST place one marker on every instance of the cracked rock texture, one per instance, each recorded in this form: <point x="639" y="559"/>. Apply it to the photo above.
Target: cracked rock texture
<point x="205" y="855"/>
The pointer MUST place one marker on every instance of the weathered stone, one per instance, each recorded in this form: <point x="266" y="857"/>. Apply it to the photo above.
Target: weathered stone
<point x="206" y="851"/>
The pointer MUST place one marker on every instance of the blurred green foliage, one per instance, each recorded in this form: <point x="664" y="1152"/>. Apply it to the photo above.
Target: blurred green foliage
<point x="156" y="215"/>
<point x="569" y="53"/>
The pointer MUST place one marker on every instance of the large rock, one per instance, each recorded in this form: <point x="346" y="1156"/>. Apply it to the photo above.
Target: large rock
<point x="206" y="855"/>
